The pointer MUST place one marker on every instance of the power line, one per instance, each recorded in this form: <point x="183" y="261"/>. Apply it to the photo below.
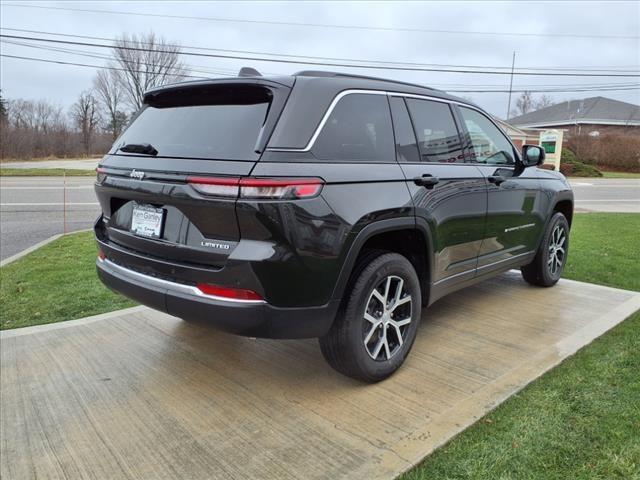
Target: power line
<point x="614" y="69"/>
<point x="326" y="64"/>
<point x="230" y="72"/>
<point x="84" y="53"/>
<point x="60" y="62"/>
<point x="326" y="25"/>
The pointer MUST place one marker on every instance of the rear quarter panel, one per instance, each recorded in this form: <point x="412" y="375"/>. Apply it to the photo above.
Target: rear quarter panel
<point x="312" y="238"/>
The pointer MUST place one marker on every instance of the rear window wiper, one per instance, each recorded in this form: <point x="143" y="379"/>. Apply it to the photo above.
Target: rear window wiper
<point x="144" y="148"/>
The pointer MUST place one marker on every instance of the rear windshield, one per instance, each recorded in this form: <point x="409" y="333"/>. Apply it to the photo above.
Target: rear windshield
<point x="221" y="122"/>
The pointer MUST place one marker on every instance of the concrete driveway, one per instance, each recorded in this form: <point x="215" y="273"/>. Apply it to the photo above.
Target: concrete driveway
<point x="147" y="396"/>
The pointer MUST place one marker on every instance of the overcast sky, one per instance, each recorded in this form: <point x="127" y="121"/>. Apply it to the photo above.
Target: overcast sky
<point x="62" y="83"/>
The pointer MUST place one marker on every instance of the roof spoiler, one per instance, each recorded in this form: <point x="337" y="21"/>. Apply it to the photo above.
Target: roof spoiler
<point x="248" y="72"/>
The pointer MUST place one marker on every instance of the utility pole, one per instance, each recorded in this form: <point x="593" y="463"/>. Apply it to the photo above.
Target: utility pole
<point x="513" y="64"/>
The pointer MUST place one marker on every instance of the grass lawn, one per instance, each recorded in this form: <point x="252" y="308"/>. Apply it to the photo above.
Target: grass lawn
<point x="604" y="248"/>
<point x="582" y="419"/>
<point x="44" y="172"/>
<point x="620" y="175"/>
<point x="56" y="282"/>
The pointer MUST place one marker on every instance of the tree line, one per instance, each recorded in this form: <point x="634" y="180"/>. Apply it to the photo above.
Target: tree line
<point x="35" y="129"/>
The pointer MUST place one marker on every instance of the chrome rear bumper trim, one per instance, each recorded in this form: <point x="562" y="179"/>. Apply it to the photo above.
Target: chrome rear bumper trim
<point x="168" y="285"/>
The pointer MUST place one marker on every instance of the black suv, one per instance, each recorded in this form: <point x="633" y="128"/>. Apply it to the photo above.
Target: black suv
<point x="321" y="205"/>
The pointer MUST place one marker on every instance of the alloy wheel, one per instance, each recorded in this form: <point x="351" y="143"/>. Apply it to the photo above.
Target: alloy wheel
<point x="557" y="250"/>
<point x="387" y="317"/>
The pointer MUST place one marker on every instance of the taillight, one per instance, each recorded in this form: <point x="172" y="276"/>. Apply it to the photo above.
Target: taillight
<point x="101" y="254"/>
<point x="101" y="174"/>
<point x="257" y="188"/>
<point x="216" y="186"/>
<point x="229" y="293"/>
<point x="280" y="187"/>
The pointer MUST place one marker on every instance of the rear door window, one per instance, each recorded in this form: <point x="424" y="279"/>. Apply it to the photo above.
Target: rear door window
<point x="358" y="129"/>
<point x="215" y="123"/>
<point x="406" y="146"/>
<point x="438" y="138"/>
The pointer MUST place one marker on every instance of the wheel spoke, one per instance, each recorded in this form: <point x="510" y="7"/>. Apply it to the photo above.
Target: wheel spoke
<point x="379" y="345"/>
<point x="370" y="318"/>
<point x="379" y="297"/>
<point x="386" y="347"/>
<point x="401" y="323"/>
<point x="402" y="301"/>
<point x="560" y="241"/>
<point x="386" y="292"/>
<point x="373" y="330"/>
<point x="398" y="334"/>
<point x="398" y="294"/>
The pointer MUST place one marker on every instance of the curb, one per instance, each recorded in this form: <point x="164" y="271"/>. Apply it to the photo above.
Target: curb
<point x="32" y="248"/>
<point x="19" y="332"/>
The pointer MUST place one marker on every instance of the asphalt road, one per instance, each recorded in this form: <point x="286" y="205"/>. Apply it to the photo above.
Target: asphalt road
<point x="69" y="164"/>
<point x="32" y="207"/>
<point x="607" y="194"/>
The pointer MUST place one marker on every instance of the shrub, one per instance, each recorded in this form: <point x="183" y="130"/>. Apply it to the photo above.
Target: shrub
<point x="611" y="151"/>
<point x="571" y="166"/>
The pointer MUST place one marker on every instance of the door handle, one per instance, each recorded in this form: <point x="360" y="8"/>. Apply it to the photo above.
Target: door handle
<point x="427" y="181"/>
<point x="496" y="179"/>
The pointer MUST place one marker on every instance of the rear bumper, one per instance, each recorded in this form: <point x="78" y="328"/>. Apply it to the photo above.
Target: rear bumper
<point x="248" y="318"/>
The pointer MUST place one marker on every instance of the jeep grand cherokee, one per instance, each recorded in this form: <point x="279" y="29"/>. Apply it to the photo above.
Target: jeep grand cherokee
<point x="321" y="205"/>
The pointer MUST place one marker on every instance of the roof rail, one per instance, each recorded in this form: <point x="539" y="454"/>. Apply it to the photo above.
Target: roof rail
<point x="320" y="73"/>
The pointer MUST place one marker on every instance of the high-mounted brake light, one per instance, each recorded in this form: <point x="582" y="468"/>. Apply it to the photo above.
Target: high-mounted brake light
<point x="229" y="293"/>
<point x="258" y="188"/>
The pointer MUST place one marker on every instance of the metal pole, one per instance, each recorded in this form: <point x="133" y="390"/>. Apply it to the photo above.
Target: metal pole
<point x="64" y="202"/>
<point x="513" y="64"/>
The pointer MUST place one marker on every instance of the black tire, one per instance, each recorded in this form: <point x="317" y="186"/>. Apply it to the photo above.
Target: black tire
<point x="344" y="346"/>
<point x="546" y="268"/>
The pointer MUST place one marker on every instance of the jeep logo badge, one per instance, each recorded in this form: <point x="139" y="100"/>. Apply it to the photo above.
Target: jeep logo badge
<point x="136" y="174"/>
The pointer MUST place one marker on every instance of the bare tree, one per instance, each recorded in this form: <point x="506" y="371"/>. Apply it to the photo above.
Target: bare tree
<point x="144" y="62"/>
<point x="543" y="102"/>
<point x="87" y="117"/>
<point x="39" y="128"/>
<point x="3" y="109"/>
<point x="110" y="95"/>
<point x="524" y="104"/>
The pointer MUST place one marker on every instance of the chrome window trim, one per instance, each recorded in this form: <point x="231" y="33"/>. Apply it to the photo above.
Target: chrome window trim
<point x="166" y="284"/>
<point x="344" y="93"/>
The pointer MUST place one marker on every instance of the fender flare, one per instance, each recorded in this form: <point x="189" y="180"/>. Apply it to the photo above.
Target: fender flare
<point x="369" y="231"/>
<point x="560" y="196"/>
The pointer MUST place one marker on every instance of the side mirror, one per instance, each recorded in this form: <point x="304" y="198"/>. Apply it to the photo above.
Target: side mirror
<point x="532" y="155"/>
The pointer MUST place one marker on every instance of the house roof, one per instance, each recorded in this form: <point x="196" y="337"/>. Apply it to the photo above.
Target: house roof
<point x="594" y="110"/>
<point x="511" y="130"/>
